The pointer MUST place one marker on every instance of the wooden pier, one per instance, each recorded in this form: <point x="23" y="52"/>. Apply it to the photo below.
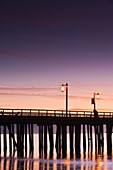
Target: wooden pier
<point x="19" y="124"/>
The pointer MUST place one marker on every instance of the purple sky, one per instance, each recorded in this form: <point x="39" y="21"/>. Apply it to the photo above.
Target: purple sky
<point x="50" y="43"/>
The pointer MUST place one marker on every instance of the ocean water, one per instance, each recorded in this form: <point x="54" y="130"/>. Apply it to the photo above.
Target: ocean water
<point x="96" y="161"/>
<point x="45" y="164"/>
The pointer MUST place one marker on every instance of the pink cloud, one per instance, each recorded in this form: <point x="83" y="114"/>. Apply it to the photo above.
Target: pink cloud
<point x="48" y="95"/>
<point x="27" y="88"/>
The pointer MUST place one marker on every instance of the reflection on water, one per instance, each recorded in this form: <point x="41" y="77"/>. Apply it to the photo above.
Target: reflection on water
<point x="39" y="164"/>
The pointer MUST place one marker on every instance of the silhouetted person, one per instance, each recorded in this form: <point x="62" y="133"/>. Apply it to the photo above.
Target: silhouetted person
<point x="95" y="113"/>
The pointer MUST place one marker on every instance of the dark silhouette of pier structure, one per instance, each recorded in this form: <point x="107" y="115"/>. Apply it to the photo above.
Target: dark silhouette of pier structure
<point x="21" y="122"/>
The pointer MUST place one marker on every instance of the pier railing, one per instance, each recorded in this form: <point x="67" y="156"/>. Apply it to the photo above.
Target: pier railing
<point x="55" y="113"/>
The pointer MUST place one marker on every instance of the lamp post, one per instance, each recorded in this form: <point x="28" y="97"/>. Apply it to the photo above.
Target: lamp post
<point x="95" y="96"/>
<point x="63" y="87"/>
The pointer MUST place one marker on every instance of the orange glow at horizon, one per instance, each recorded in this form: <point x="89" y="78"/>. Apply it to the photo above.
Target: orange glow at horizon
<point x="52" y="98"/>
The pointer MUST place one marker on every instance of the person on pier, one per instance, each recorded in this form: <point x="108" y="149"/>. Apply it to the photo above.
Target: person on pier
<point x="95" y="113"/>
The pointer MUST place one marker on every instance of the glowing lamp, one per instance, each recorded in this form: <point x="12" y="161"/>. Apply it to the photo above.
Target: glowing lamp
<point x="97" y="95"/>
<point x="62" y="88"/>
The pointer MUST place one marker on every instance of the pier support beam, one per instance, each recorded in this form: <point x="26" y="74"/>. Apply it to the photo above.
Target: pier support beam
<point x="71" y="127"/>
<point x="88" y="130"/>
<point x="5" y="140"/>
<point x="109" y="141"/>
<point x="102" y="138"/>
<point x="45" y="141"/>
<point x="96" y="136"/>
<point x="64" y="141"/>
<point x="0" y="140"/>
<point x="40" y="141"/>
<point x="84" y="140"/>
<point x="32" y="140"/>
<point x="25" y="130"/>
<point x="20" y="140"/>
<point x="13" y="138"/>
<point x="50" y="130"/>
<point x="99" y="140"/>
<point x="58" y="141"/>
<point x="77" y="140"/>
<point x="91" y="141"/>
<point x="10" y="141"/>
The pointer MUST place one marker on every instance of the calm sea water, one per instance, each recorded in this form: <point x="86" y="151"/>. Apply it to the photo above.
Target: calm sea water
<point x="99" y="162"/>
<point x="36" y="164"/>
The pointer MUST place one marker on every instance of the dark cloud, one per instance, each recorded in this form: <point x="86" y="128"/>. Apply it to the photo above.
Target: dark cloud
<point x="12" y="54"/>
<point x="56" y="16"/>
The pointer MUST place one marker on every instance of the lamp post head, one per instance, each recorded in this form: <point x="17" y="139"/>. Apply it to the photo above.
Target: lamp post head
<point x="97" y="95"/>
<point x="66" y="85"/>
<point x="62" y="88"/>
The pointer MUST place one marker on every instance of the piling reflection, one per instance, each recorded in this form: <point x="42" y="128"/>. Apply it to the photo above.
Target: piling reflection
<point x="31" y="164"/>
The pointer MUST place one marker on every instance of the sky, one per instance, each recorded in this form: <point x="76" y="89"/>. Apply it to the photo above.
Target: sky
<point x="44" y="44"/>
